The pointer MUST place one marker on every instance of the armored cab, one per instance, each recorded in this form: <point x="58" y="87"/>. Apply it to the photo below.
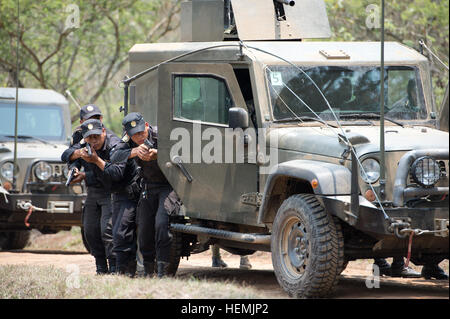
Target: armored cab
<point x="272" y="141"/>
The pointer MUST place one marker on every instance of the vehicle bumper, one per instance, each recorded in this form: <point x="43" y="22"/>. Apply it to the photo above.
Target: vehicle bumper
<point x="60" y="211"/>
<point x="374" y="223"/>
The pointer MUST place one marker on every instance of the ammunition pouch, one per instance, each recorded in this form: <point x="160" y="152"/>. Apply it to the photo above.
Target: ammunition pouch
<point x="172" y="204"/>
<point x="133" y="190"/>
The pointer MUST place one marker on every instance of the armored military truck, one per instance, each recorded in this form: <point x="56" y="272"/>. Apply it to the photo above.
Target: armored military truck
<point x="36" y="198"/>
<point x="325" y="178"/>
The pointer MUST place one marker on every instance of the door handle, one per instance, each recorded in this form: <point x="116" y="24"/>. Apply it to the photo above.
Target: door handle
<point x="179" y="162"/>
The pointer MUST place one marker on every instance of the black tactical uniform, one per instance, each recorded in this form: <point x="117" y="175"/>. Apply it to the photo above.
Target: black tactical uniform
<point x="125" y="196"/>
<point x="157" y="201"/>
<point x="89" y="111"/>
<point x="101" y="184"/>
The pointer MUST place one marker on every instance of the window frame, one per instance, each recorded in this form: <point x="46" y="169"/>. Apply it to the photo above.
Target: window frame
<point x="416" y="68"/>
<point x="198" y="75"/>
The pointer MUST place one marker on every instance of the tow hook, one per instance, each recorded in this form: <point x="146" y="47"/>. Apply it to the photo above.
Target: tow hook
<point x="29" y="208"/>
<point x="398" y="225"/>
<point x="402" y="228"/>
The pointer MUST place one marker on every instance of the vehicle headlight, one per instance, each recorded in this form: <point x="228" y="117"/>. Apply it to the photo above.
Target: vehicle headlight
<point x="371" y="172"/>
<point x="7" y="171"/>
<point x="426" y="171"/>
<point x="43" y="171"/>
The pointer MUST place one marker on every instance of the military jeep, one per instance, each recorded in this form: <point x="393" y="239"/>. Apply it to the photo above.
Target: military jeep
<point x="322" y="189"/>
<point x="36" y="197"/>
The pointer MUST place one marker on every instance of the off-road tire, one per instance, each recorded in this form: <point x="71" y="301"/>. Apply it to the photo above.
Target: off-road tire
<point x="343" y="262"/>
<point x="18" y="239"/>
<point x="175" y="253"/>
<point x="314" y="272"/>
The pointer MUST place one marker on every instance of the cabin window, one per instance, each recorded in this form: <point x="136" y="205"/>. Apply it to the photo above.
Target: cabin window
<point x="201" y="98"/>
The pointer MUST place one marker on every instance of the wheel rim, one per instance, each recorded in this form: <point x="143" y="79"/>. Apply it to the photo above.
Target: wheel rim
<point x="294" y="247"/>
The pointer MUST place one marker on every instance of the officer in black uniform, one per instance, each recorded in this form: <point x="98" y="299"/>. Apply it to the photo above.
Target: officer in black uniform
<point x="89" y="111"/>
<point x="102" y="179"/>
<point x="158" y="200"/>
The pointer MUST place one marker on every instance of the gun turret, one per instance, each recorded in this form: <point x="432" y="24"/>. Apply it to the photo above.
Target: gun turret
<point x="218" y="20"/>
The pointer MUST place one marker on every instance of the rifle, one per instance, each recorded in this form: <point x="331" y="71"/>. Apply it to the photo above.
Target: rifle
<point x="70" y="176"/>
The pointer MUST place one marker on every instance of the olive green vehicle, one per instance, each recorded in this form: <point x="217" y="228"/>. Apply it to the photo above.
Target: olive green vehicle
<point x="37" y="197"/>
<point x="315" y="104"/>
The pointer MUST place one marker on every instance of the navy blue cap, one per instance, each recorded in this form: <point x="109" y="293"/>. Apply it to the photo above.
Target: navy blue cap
<point x="89" y="111"/>
<point x="133" y="123"/>
<point x="91" y="127"/>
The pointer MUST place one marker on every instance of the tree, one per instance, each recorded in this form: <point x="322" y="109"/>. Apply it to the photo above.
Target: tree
<point x="82" y="46"/>
<point x="406" y="22"/>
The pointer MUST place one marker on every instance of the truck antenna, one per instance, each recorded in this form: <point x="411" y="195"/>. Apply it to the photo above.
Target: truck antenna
<point x="17" y="99"/>
<point x="382" y="135"/>
<point x="73" y="99"/>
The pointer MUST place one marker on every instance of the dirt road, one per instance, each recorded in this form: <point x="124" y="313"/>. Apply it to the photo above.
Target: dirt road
<point x="352" y="283"/>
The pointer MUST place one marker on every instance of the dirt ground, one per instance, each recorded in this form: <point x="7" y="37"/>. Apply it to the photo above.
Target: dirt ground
<point x="352" y="283"/>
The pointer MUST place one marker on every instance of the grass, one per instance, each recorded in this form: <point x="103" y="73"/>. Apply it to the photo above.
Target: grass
<point x="48" y="282"/>
<point x="63" y="240"/>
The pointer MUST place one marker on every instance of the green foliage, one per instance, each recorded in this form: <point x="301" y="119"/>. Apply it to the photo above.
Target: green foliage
<point x="88" y="58"/>
<point x="406" y="22"/>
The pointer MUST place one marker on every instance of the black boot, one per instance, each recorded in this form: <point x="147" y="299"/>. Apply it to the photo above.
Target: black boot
<point x="131" y="268"/>
<point x="112" y="265"/>
<point x="398" y="269"/>
<point x="101" y="265"/>
<point x="434" y="271"/>
<point x="383" y="265"/>
<point x="121" y="269"/>
<point x="163" y="268"/>
<point x="149" y="269"/>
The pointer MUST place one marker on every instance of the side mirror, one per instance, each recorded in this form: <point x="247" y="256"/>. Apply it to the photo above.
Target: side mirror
<point x="237" y="118"/>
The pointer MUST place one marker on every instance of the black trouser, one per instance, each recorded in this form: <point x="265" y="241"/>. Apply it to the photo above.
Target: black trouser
<point x="97" y="216"/>
<point x="153" y="223"/>
<point x="124" y="229"/>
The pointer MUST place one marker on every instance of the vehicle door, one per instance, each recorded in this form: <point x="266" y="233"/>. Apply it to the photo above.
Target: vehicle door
<point x="194" y="101"/>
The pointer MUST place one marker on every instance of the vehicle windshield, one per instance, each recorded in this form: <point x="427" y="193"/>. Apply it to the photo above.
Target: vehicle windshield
<point x="349" y="90"/>
<point x="38" y="121"/>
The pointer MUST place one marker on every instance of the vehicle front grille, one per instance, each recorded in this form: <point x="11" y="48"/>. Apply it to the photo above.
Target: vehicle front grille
<point x="56" y="177"/>
<point x="54" y="184"/>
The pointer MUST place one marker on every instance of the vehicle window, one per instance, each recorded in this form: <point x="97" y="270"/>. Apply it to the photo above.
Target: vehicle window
<point x="44" y="122"/>
<point x="347" y="89"/>
<point x="201" y="98"/>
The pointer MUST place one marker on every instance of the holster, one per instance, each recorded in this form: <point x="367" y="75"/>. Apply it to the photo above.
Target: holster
<point x="134" y="190"/>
